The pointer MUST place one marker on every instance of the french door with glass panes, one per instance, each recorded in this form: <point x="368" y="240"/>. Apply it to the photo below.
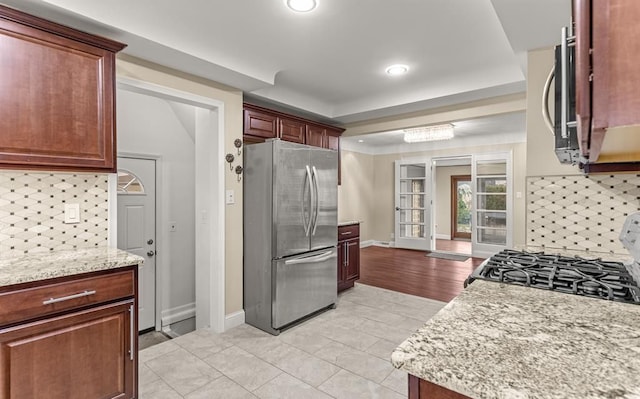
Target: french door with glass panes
<point x="413" y="204"/>
<point x="492" y="223"/>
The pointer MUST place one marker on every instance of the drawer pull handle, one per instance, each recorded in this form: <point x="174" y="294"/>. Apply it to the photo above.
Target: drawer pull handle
<point x="66" y="298"/>
<point x="346" y="233"/>
<point x="131" y="332"/>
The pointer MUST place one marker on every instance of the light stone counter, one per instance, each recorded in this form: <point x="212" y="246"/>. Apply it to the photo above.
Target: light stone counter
<point x="63" y="263"/>
<point x="511" y="342"/>
<point x="348" y="222"/>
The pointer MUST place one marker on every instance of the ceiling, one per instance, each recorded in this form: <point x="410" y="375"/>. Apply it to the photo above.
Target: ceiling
<point x="496" y="129"/>
<point x="329" y="63"/>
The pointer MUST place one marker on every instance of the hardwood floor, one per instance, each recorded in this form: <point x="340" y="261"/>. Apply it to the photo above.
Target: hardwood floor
<point x="412" y="272"/>
<point x="458" y="246"/>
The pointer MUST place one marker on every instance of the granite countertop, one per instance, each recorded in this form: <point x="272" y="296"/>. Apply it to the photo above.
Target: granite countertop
<point x="507" y="341"/>
<point x="53" y="264"/>
<point x="348" y="222"/>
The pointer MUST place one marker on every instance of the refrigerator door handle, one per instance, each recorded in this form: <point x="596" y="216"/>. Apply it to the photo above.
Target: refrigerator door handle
<point x="317" y="200"/>
<point x="307" y="186"/>
<point x="311" y="259"/>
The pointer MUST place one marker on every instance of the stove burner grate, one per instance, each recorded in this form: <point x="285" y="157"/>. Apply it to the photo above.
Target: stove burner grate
<point x="573" y="275"/>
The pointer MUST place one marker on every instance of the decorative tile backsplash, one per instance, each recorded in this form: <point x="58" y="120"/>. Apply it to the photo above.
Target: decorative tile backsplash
<point x="32" y="212"/>
<point x="580" y="212"/>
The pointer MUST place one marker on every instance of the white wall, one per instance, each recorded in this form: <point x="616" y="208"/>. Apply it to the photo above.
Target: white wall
<point x="355" y="194"/>
<point x="149" y="125"/>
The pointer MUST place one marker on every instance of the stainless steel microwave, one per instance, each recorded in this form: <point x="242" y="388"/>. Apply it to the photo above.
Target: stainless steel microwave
<point x="563" y="124"/>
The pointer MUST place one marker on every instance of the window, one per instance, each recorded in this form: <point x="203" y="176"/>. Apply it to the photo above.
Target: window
<point x="128" y="183"/>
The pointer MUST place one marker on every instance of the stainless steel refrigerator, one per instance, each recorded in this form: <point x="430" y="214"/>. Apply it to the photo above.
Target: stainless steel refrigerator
<point x="290" y="232"/>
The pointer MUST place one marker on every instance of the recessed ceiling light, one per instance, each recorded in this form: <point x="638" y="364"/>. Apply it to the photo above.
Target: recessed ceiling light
<point x="301" y="5"/>
<point x="397" y="69"/>
<point x="360" y="141"/>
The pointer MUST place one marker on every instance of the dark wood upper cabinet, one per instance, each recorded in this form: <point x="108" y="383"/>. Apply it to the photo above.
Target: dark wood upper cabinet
<point x="608" y="79"/>
<point x="262" y="123"/>
<point x="316" y="136"/>
<point x="332" y="140"/>
<point x="57" y="102"/>
<point x="292" y="130"/>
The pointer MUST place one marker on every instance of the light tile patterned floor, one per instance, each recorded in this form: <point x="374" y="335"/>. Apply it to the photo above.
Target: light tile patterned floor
<point x="342" y="353"/>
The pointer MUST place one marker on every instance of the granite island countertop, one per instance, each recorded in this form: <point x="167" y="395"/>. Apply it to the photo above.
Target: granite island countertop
<point x="42" y="266"/>
<point x="507" y="341"/>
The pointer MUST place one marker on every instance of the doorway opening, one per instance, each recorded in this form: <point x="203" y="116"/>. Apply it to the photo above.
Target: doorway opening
<point x="186" y="289"/>
<point x="453" y="204"/>
<point x="461" y="203"/>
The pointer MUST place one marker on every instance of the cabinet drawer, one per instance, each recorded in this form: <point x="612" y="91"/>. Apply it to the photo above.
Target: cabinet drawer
<point x="28" y="303"/>
<point x="350" y="231"/>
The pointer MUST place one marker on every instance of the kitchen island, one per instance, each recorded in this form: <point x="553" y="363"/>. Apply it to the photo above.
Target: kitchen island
<point x="68" y="325"/>
<point x="507" y="341"/>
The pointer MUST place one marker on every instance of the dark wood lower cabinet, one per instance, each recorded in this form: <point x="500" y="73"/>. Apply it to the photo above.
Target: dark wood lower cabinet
<point x="82" y="345"/>
<point x="81" y="355"/>
<point x="348" y="256"/>
<point x="421" y="389"/>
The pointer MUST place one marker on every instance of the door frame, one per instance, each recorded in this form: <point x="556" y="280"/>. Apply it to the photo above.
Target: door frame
<point x="454" y="205"/>
<point x="453" y="160"/>
<point x="486" y="250"/>
<point x="159" y="219"/>
<point x="210" y="273"/>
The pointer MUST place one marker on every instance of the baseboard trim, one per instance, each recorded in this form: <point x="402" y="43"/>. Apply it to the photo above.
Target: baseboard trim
<point x="233" y="320"/>
<point x="443" y="237"/>
<point x="385" y="244"/>
<point x="368" y="243"/>
<point x="179" y="313"/>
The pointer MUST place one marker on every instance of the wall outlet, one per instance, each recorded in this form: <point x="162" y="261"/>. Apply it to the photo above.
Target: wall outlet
<point x="71" y="213"/>
<point x="173" y="227"/>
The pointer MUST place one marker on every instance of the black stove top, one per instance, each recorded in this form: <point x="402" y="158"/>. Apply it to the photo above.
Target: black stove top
<point x="573" y="275"/>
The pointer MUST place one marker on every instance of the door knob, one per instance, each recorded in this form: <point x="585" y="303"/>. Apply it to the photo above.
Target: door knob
<point x="150" y="241"/>
<point x="397" y="208"/>
<point x="150" y="253"/>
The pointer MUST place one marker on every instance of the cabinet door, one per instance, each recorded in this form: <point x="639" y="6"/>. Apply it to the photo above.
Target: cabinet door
<point x="260" y="124"/>
<point x="615" y="57"/>
<point x="353" y="259"/>
<point x="86" y="354"/>
<point x="57" y="102"/>
<point x="332" y="142"/>
<point x="292" y="130"/>
<point x="316" y="136"/>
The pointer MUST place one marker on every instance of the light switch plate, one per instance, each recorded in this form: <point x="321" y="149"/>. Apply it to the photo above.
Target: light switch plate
<point x="230" y="197"/>
<point x="71" y="213"/>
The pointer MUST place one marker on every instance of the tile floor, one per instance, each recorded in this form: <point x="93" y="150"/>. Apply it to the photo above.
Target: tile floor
<point x="342" y="353"/>
<point x="151" y="338"/>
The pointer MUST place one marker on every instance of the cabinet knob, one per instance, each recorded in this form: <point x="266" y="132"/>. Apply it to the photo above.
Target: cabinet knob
<point x="150" y="253"/>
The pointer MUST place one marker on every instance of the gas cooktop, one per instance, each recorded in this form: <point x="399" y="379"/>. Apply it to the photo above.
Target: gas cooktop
<point x="573" y="275"/>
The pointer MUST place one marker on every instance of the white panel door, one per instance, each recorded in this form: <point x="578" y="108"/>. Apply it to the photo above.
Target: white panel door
<point x="137" y="228"/>
<point x="413" y="204"/>
<point x="492" y="218"/>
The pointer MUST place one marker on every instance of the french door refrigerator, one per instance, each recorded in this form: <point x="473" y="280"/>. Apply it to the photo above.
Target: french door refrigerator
<point x="290" y="232"/>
